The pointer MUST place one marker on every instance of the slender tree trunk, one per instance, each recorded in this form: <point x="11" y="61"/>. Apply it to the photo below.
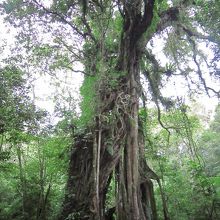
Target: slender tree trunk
<point x="42" y="179"/>
<point x="23" y="184"/>
<point x="2" y="142"/>
<point x="43" y="213"/>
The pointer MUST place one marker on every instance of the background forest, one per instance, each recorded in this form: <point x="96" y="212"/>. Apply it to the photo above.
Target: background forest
<point x="134" y="143"/>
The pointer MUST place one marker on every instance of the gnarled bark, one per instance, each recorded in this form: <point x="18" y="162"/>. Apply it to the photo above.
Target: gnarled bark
<point x="91" y="164"/>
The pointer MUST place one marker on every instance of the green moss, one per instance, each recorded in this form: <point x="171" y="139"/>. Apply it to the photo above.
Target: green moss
<point x="88" y="104"/>
<point x="160" y="6"/>
<point x="155" y="21"/>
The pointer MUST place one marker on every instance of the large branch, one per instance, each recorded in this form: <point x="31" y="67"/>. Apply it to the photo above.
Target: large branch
<point x="148" y="14"/>
<point x="145" y="21"/>
<point x="193" y="33"/>
<point x="167" y="18"/>
<point x="135" y="22"/>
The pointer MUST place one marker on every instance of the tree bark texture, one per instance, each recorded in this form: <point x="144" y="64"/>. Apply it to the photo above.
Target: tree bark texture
<point x="91" y="164"/>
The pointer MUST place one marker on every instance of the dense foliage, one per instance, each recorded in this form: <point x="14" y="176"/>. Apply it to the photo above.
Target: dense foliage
<point x="32" y="161"/>
<point x="134" y="152"/>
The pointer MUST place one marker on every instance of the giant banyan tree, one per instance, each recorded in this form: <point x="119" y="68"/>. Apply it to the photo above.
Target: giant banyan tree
<point x="111" y="39"/>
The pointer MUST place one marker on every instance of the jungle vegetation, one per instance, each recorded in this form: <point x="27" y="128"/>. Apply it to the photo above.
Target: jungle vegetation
<point x="134" y="152"/>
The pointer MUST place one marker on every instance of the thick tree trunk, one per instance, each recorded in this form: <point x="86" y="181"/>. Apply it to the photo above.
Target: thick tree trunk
<point x="81" y="201"/>
<point x="136" y="200"/>
<point x="91" y="163"/>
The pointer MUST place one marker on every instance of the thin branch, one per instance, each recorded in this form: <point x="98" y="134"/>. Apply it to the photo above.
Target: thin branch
<point x="214" y="91"/>
<point x="157" y="96"/>
<point x="154" y="61"/>
<point x="161" y="123"/>
<point x="89" y="30"/>
<point x="97" y="4"/>
<point x="78" y="71"/>
<point x="199" y="71"/>
<point x="70" y="49"/>
<point x="120" y="9"/>
<point x="64" y="20"/>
